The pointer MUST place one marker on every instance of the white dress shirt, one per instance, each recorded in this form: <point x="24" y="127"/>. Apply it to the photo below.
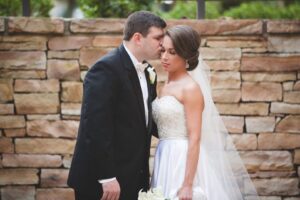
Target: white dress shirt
<point x="140" y="67"/>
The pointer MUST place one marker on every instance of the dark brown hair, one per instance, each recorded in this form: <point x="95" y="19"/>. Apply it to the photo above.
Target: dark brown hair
<point x="186" y="42"/>
<point x="141" y="22"/>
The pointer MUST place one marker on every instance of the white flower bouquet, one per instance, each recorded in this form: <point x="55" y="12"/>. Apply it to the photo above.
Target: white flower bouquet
<point x="153" y="194"/>
<point x="156" y="194"/>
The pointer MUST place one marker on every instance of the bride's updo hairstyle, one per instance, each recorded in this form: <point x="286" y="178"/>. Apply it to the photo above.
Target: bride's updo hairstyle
<point x="186" y="42"/>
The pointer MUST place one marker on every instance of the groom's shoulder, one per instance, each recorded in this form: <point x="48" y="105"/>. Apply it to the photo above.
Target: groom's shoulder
<point x="111" y="57"/>
<point x="108" y="60"/>
<point x="108" y="57"/>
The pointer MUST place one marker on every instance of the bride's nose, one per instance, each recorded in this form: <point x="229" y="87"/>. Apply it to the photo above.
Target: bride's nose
<point x="164" y="55"/>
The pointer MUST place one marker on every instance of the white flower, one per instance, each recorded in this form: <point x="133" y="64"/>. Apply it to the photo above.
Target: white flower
<point x="152" y="74"/>
<point x="153" y="194"/>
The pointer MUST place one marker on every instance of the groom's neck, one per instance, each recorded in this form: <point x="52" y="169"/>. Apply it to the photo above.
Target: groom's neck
<point x="134" y="49"/>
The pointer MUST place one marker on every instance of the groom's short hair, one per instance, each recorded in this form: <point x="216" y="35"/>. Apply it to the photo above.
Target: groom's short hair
<point x="141" y="22"/>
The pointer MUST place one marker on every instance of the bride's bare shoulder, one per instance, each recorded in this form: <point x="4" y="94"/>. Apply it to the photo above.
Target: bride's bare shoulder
<point x="191" y="90"/>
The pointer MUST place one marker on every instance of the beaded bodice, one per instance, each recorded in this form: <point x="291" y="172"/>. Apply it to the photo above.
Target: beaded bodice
<point x="169" y="116"/>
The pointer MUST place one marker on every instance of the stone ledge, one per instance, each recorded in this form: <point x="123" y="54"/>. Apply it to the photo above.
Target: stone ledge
<point x="102" y="25"/>
<point x="223" y="27"/>
<point x="283" y="26"/>
<point x="97" y="25"/>
<point x="35" y="25"/>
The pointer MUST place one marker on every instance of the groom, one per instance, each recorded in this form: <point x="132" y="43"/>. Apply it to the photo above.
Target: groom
<point x="111" y="155"/>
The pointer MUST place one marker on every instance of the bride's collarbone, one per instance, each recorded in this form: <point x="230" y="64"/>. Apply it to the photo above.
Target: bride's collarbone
<point x="171" y="93"/>
<point x="172" y="89"/>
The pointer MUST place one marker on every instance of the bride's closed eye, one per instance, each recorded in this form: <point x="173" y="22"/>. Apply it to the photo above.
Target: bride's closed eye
<point x="170" y="51"/>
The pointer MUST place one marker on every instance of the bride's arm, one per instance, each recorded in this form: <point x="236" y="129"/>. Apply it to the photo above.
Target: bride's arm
<point x="193" y="105"/>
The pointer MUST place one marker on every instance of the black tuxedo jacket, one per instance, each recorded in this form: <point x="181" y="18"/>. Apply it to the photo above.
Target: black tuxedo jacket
<point x="113" y="139"/>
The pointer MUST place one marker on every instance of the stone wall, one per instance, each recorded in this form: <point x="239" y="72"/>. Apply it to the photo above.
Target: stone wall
<point x="255" y="76"/>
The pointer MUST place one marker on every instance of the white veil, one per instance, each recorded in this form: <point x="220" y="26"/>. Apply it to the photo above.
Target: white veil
<point x="223" y="175"/>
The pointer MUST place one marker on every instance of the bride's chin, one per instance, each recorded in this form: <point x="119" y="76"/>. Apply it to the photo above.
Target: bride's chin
<point x="166" y="69"/>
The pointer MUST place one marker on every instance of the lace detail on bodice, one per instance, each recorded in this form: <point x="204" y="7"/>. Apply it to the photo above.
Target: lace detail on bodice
<point x="169" y="116"/>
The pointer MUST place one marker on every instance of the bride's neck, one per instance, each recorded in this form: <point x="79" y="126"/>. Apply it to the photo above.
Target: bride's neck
<point x="176" y="75"/>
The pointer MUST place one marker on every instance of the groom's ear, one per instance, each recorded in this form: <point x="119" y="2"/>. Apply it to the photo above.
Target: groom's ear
<point x="136" y="38"/>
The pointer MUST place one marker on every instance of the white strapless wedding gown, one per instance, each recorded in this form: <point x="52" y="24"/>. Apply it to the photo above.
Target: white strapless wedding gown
<point x="171" y="153"/>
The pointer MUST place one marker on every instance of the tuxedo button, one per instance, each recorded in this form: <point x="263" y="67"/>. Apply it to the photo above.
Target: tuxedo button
<point x="141" y="171"/>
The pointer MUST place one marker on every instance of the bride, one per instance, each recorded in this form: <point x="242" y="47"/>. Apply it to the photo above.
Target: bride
<point x="195" y="157"/>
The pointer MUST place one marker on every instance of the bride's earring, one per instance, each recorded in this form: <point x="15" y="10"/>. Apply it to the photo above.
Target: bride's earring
<point x="186" y="64"/>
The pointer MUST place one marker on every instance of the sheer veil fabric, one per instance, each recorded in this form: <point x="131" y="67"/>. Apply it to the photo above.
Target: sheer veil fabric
<point x="223" y="174"/>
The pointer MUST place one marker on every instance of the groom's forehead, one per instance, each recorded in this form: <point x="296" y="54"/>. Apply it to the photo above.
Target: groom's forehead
<point x="156" y="32"/>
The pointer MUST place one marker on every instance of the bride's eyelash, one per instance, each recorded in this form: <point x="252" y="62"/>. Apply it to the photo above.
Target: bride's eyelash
<point x="173" y="52"/>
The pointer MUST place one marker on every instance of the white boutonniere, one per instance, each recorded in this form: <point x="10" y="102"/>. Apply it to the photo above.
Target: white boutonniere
<point x="152" y="74"/>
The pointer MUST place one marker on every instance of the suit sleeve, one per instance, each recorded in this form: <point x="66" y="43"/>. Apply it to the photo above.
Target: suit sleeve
<point x="99" y="97"/>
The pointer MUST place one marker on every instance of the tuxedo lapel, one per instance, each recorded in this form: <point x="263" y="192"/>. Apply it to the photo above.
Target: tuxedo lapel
<point x="133" y="77"/>
<point x="137" y="89"/>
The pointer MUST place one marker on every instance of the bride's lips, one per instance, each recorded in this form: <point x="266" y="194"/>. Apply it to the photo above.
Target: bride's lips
<point x="165" y="65"/>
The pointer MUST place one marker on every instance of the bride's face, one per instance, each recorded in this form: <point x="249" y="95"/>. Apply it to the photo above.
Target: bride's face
<point x="170" y="60"/>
